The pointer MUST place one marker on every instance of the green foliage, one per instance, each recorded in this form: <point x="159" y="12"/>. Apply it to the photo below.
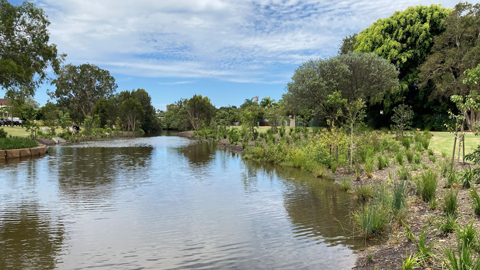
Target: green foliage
<point x="410" y="262"/>
<point x="466" y="260"/>
<point x="467" y="235"/>
<point x="399" y="157"/>
<point x="401" y="118"/>
<point x="364" y="192"/>
<point x="26" y="52"/>
<point x="476" y="201"/>
<point x="399" y="193"/>
<point x="467" y="177"/>
<point x="345" y="183"/>
<point x="447" y="224"/>
<point x="382" y="162"/>
<point x="368" y="168"/>
<point x="404" y="173"/>
<point x="424" y="250"/>
<point x="450" y="202"/>
<point x="427" y="185"/>
<point x="409" y="154"/>
<point x="3" y="133"/>
<point x="16" y="143"/>
<point x="371" y="219"/>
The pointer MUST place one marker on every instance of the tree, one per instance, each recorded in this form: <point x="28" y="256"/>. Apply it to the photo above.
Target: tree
<point x="401" y="118"/>
<point x="354" y="75"/>
<point x="49" y="113"/>
<point x="25" y="52"/>
<point x="348" y="44"/>
<point x="150" y="122"/>
<point x="404" y="39"/>
<point x="16" y="98"/>
<point x="333" y="106"/>
<point x="455" y="51"/>
<point x="355" y="113"/>
<point x="132" y="112"/>
<point x="247" y="103"/>
<point x="80" y="87"/>
<point x="176" y="116"/>
<point x="267" y="102"/>
<point x="199" y="110"/>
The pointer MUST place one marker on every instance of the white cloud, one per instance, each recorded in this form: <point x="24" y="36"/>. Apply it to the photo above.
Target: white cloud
<point x="233" y="40"/>
<point x="177" y="83"/>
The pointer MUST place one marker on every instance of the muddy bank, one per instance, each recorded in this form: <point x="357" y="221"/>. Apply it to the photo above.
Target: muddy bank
<point x="221" y="144"/>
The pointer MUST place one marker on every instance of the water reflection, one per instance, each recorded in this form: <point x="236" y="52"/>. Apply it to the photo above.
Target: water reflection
<point x="318" y="209"/>
<point x="29" y="238"/>
<point x="198" y="154"/>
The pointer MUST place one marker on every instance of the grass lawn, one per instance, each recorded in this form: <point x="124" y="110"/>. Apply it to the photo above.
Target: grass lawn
<point x="20" y="131"/>
<point x="443" y="142"/>
<point x="264" y="129"/>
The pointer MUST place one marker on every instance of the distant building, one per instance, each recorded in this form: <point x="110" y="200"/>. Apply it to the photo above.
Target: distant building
<point x="3" y="103"/>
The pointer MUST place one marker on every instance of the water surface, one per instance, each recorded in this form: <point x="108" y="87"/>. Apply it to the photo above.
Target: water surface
<point x="168" y="202"/>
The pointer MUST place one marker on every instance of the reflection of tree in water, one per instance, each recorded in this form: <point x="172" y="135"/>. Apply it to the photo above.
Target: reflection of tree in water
<point x="198" y="154"/>
<point x="29" y="239"/>
<point x="90" y="173"/>
<point x="317" y="208"/>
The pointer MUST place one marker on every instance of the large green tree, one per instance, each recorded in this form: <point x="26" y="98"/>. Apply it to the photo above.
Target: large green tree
<point x="455" y="51"/>
<point x="25" y="51"/>
<point x="199" y="110"/>
<point x="353" y="75"/>
<point x="80" y="87"/>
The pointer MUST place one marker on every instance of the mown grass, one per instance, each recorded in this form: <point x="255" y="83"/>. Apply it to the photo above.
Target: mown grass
<point x="21" y="132"/>
<point x="16" y="143"/>
<point x="442" y="142"/>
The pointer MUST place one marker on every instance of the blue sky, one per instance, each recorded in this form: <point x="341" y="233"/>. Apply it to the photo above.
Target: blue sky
<point x="228" y="50"/>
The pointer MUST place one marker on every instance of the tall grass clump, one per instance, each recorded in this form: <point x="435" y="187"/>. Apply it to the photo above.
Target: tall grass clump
<point x="399" y="157"/>
<point x="450" y="202"/>
<point x="398" y="200"/>
<point x="467" y="235"/>
<point x="371" y="219"/>
<point x="466" y="259"/>
<point x="382" y="162"/>
<point x="467" y="177"/>
<point x="318" y="169"/>
<point x="409" y="155"/>
<point x="424" y="250"/>
<point x="368" y="168"/>
<point x="448" y="224"/>
<point x="16" y="143"/>
<point x="404" y="173"/>
<point x="345" y="183"/>
<point x="364" y="192"/>
<point x="406" y="142"/>
<point x="410" y="262"/>
<point x="427" y="185"/>
<point x="476" y="201"/>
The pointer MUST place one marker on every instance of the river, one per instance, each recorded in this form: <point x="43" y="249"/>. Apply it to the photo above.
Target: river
<point x="168" y="202"/>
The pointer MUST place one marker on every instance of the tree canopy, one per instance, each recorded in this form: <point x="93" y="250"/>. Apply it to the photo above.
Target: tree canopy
<point x="79" y="87"/>
<point x="25" y="52"/>
<point x="354" y="75"/>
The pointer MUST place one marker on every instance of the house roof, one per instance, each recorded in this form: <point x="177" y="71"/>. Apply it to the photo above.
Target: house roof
<point x="3" y="101"/>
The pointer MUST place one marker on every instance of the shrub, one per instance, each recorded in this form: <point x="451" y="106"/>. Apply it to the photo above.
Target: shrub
<point x="417" y="159"/>
<point x="3" y="133"/>
<point x="451" y="179"/>
<point x="370" y="219"/>
<point x="476" y="201"/>
<point x="450" y="202"/>
<point x="430" y="152"/>
<point x="427" y="185"/>
<point x="334" y="167"/>
<point x="467" y="177"/>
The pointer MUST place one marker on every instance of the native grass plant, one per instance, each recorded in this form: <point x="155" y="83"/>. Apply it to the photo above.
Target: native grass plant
<point x="404" y="173"/>
<point x="409" y="154"/>
<point x="398" y="198"/>
<point x="450" y="202"/>
<point x="424" y="250"/>
<point x="427" y="185"/>
<point x="433" y="159"/>
<point x="16" y="143"/>
<point x="467" y="177"/>
<point x="3" y="133"/>
<point x="430" y="152"/>
<point x="447" y="224"/>
<point x="399" y="157"/>
<point x="382" y="162"/>
<point x="364" y="192"/>
<point x="476" y="201"/>
<point x="410" y="262"/>
<point x="345" y="183"/>
<point x="371" y="219"/>
<point x="467" y="234"/>
<point x="417" y="158"/>
<point x="334" y="167"/>
<point x="406" y="142"/>
<point x="368" y="168"/>
<point x="319" y="169"/>
<point x="466" y="259"/>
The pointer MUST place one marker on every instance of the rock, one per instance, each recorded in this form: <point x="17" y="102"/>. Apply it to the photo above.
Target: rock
<point x="58" y="140"/>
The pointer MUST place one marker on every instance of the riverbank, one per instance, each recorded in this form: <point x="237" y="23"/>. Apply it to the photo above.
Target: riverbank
<point x="418" y="228"/>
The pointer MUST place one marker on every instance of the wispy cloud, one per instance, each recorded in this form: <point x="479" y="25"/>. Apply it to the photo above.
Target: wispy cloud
<point x="232" y="40"/>
<point x="176" y="83"/>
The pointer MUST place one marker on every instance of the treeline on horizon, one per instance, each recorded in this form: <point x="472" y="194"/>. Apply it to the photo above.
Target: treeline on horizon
<point x="423" y="58"/>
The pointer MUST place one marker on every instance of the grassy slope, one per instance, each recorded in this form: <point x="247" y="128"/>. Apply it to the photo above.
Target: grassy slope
<point x="443" y="142"/>
<point x="20" y="131"/>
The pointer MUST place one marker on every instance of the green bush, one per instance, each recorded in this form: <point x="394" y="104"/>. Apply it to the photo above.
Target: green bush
<point x="345" y="183"/>
<point x="450" y="202"/>
<point x="364" y="192"/>
<point x="3" y="133"/>
<point x="16" y="143"/>
<point x="319" y="169"/>
<point x="427" y="185"/>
